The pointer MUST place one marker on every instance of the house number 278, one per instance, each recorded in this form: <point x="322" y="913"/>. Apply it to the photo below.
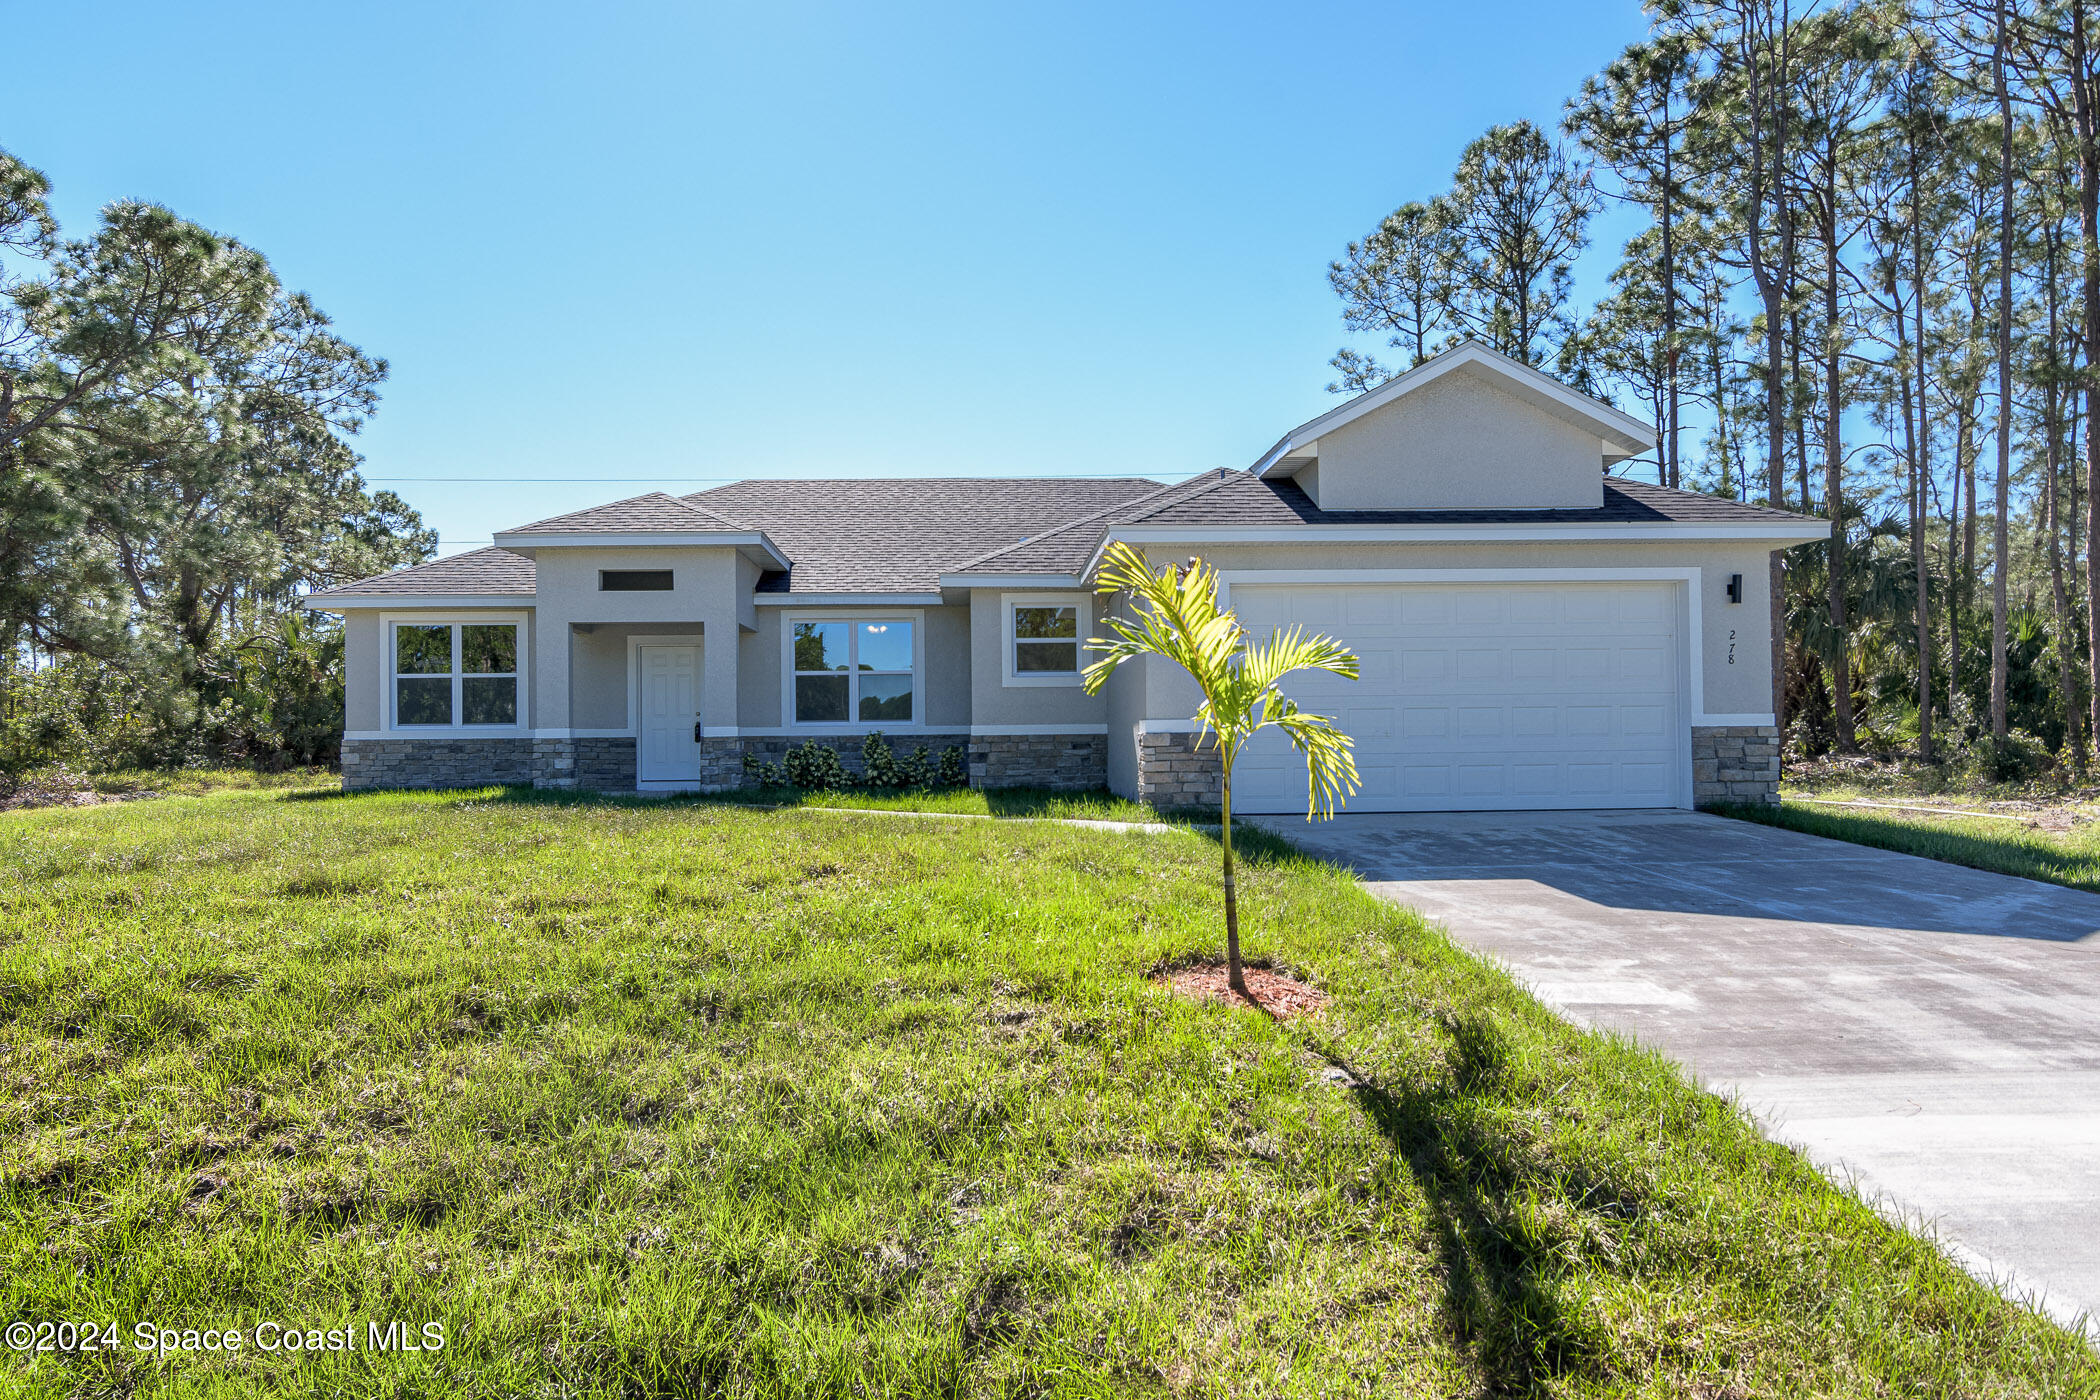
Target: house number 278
<point x="1731" y="646"/>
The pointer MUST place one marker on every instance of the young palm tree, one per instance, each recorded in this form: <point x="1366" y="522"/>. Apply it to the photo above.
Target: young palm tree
<point x="1179" y="619"/>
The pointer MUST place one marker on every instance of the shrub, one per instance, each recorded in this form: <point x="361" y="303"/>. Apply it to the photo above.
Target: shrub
<point x="815" y="767"/>
<point x="2017" y="758"/>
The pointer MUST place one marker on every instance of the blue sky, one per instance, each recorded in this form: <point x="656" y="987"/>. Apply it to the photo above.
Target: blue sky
<point x="691" y="242"/>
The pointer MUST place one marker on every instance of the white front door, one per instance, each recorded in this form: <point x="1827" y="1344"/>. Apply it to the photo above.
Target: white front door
<point x="670" y="692"/>
<point x="1478" y="696"/>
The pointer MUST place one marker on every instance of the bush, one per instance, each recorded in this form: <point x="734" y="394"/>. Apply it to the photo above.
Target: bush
<point x="815" y="767"/>
<point x="2017" y="758"/>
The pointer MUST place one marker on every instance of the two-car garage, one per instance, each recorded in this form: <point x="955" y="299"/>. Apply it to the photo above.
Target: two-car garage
<point x="1479" y="695"/>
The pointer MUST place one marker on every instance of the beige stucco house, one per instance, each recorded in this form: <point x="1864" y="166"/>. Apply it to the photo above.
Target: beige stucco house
<point x="1535" y="632"/>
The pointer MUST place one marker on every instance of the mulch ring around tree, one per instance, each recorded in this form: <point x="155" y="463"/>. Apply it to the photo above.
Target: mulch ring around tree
<point x="1276" y="993"/>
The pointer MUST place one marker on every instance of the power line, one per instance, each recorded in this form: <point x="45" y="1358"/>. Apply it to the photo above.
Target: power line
<point x="688" y="480"/>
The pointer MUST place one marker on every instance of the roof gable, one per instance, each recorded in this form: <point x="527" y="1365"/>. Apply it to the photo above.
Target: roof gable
<point x="1620" y="434"/>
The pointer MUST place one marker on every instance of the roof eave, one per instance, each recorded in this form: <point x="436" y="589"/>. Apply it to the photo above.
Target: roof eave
<point x="1777" y="534"/>
<point x="526" y="543"/>
<point x="1047" y="581"/>
<point x="331" y="601"/>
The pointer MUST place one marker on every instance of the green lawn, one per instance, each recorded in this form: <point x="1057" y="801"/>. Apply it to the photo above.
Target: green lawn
<point x="970" y="802"/>
<point x="2013" y="847"/>
<point x="696" y="1099"/>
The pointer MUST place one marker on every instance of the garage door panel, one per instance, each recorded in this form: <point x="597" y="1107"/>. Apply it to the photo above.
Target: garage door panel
<point x="1643" y="721"/>
<point x="1425" y="670"/>
<point x="1485" y="695"/>
<point x="1534" y="665"/>
<point x="1644" y="667"/>
<point x="1368" y="609"/>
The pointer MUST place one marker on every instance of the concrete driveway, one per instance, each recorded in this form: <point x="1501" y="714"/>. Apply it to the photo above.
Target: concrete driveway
<point x="1932" y="1031"/>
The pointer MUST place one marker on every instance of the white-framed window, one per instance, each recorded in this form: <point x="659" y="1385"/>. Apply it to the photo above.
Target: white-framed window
<point x="848" y="671"/>
<point x="455" y="673"/>
<point x="1044" y="637"/>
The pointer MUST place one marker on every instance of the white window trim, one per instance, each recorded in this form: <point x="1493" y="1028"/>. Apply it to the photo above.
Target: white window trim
<point x="392" y="655"/>
<point x="1007" y="640"/>
<point x="788" y="621"/>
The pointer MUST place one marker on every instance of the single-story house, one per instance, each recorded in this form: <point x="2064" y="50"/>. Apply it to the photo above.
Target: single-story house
<point x="1534" y="631"/>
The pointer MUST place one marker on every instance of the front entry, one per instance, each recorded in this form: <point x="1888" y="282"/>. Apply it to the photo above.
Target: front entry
<point x="667" y="753"/>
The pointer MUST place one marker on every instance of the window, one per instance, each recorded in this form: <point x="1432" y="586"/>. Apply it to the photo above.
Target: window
<point x="634" y="580"/>
<point x="859" y="672"/>
<point x="455" y="674"/>
<point x="1043" y="640"/>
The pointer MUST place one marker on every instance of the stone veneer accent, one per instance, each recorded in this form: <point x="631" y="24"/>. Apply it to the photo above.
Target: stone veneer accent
<point x="1039" y="760"/>
<point x="609" y="765"/>
<point x="593" y="765"/>
<point x="605" y="765"/>
<point x="1173" y="772"/>
<point x="437" y="763"/>
<point x="1735" y="763"/>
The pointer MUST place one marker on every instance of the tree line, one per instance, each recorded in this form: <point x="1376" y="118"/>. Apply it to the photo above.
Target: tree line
<point x="175" y="467"/>
<point x="1865" y="284"/>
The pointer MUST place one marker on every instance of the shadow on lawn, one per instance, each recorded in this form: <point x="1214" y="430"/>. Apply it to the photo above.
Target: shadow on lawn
<point x="1013" y="803"/>
<point x="1498" y="1271"/>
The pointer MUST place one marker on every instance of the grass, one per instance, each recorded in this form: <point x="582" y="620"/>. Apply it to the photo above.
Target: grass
<point x="696" y="1099"/>
<point x="2067" y="857"/>
<point x="972" y="802"/>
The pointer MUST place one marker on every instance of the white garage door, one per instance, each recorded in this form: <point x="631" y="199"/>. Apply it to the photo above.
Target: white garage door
<point x="1477" y="696"/>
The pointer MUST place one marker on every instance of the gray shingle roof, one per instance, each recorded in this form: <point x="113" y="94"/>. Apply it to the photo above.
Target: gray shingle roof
<point x="655" y="511"/>
<point x="900" y="535"/>
<point x="480" y="571"/>
<point x="1067" y="549"/>
<point x="1240" y="498"/>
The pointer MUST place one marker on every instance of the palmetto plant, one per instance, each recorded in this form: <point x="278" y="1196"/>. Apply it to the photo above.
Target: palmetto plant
<point x="1178" y="618"/>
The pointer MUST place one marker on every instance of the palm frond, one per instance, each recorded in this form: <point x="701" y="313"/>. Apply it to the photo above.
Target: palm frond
<point x="1177" y="617"/>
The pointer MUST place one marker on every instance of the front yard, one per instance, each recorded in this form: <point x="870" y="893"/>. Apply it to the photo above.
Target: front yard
<point x="692" y="1099"/>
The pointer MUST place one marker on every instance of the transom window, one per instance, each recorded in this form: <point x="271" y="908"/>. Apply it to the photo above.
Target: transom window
<point x="455" y="674"/>
<point x="1043" y="640"/>
<point x="634" y="580"/>
<point x="855" y="672"/>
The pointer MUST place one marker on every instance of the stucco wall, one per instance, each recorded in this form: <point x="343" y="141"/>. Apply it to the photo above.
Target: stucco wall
<point x="703" y="581"/>
<point x="362" y="662"/>
<point x="995" y="701"/>
<point x="598" y="669"/>
<point x="1458" y="442"/>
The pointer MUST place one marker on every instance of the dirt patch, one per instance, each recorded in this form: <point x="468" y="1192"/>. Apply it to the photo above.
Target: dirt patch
<point x="59" y="789"/>
<point x="1281" y="996"/>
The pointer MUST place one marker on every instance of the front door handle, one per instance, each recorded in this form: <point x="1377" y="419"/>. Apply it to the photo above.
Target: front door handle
<point x="696" y="731"/>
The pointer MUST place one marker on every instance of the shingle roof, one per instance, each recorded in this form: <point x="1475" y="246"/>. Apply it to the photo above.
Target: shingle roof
<point x="655" y="511"/>
<point x="1067" y="549"/>
<point x="899" y="536"/>
<point x="1240" y="498"/>
<point x="878" y="535"/>
<point x="480" y="571"/>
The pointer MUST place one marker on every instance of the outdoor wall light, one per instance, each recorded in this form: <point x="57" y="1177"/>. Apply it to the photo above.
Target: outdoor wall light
<point x="1735" y="588"/>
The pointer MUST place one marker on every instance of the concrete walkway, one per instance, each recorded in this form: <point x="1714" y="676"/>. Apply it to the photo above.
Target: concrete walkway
<point x="1931" y="1031"/>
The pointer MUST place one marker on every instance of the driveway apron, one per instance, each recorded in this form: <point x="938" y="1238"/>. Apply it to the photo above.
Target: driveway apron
<point x="1928" y="1031"/>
